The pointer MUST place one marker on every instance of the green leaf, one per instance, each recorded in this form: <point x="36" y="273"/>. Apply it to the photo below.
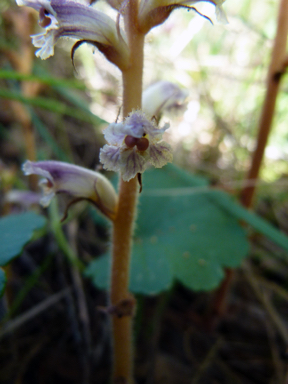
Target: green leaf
<point x="256" y="222"/>
<point x="99" y="271"/>
<point x="190" y="233"/>
<point x="181" y="234"/>
<point x="70" y="96"/>
<point x="48" y="80"/>
<point x="49" y="139"/>
<point x="185" y="231"/>
<point x="52" y="105"/>
<point x="15" y="232"/>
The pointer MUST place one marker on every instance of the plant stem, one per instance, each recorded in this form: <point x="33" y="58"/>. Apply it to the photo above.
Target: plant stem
<point x="276" y="70"/>
<point x="124" y="222"/>
<point x="121" y="249"/>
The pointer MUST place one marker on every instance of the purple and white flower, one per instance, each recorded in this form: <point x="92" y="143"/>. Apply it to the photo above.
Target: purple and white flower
<point x="162" y="95"/>
<point x="69" y="18"/>
<point x="79" y="182"/>
<point x="134" y="145"/>
<point x="155" y="12"/>
<point x="22" y="198"/>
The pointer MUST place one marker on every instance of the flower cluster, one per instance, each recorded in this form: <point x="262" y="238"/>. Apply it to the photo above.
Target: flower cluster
<point x="133" y="145"/>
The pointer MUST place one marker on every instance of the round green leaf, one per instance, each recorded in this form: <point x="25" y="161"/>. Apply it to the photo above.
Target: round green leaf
<point x="99" y="271"/>
<point x="151" y="271"/>
<point x="195" y="236"/>
<point x="182" y="233"/>
<point x="15" y="232"/>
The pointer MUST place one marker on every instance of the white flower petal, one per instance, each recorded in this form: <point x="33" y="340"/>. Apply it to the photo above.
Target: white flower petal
<point x="162" y="95"/>
<point x="220" y="15"/>
<point x="137" y="124"/>
<point x="157" y="133"/>
<point x="46" y="199"/>
<point x="115" y="133"/>
<point x="46" y="42"/>
<point x="160" y="154"/>
<point x="110" y="157"/>
<point x="131" y="164"/>
<point x="36" y="4"/>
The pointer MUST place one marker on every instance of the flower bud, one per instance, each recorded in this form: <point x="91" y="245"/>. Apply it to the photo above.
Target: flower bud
<point x="155" y="12"/>
<point x="161" y="96"/>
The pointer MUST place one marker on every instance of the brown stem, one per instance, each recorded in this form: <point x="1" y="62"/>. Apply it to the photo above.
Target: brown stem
<point x="276" y="70"/>
<point x="122" y="241"/>
<point x="124" y="222"/>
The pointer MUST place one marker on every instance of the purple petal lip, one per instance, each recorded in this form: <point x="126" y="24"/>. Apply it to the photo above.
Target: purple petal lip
<point x="53" y="170"/>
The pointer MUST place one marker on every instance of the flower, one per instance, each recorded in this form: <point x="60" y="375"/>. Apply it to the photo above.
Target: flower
<point x="162" y="95"/>
<point x="133" y="145"/>
<point x="79" y="182"/>
<point x="155" y="12"/>
<point x="69" y="18"/>
<point x="22" y="198"/>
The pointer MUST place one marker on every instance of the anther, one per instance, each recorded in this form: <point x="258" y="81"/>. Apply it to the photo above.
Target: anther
<point x="131" y="141"/>
<point x="142" y="144"/>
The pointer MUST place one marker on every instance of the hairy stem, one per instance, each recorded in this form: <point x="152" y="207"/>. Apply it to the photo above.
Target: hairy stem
<point x="124" y="222"/>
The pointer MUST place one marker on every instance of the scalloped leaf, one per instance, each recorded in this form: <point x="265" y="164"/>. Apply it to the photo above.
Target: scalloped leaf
<point x="185" y="231"/>
<point x="182" y="233"/>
